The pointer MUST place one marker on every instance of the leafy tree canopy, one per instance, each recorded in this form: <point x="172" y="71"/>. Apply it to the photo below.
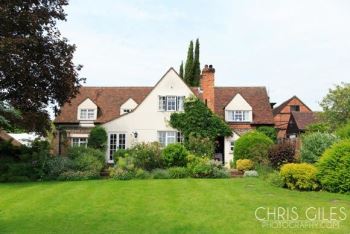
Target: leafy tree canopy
<point x="36" y="67"/>
<point x="198" y="119"/>
<point x="336" y="105"/>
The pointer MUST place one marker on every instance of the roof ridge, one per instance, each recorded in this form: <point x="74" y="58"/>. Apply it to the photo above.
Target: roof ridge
<point x="111" y="87"/>
<point x="239" y="86"/>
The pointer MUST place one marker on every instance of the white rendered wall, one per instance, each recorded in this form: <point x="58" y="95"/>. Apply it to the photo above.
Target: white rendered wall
<point x="146" y="119"/>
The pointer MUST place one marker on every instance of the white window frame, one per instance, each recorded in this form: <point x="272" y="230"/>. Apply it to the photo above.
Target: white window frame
<point x="169" y="137"/>
<point x="239" y="115"/>
<point x="89" y="114"/>
<point x="119" y="142"/>
<point x="79" y="141"/>
<point x="171" y="103"/>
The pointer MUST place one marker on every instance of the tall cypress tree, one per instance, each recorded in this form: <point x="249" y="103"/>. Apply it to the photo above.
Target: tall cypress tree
<point x="188" y="77"/>
<point x="196" y="66"/>
<point x="181" y="71"/>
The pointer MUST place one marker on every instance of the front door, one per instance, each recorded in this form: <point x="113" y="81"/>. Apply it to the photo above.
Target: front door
<point x="219" y="149"/>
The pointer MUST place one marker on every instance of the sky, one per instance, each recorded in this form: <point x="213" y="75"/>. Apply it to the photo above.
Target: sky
<point x="291" y="47"/>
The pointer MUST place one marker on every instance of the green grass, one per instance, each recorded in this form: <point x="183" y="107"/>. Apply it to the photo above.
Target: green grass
<point x="153" y="206"/>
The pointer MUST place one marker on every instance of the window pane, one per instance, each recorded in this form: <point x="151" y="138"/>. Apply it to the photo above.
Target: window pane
<point x="121" y="141"/>
<point x="180" y="103"/>
<point x="112" y="145"/>
<point x="162" y="103"/>
<point x="91" y="114"/>
<point x="171" y="137"/>
<point x="162" y="138"/>
<point x="171" y="103"/>
<point x="83" y="114"/>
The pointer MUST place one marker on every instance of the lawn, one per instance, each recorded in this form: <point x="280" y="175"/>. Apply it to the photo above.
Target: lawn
<point x="153" y="206"/>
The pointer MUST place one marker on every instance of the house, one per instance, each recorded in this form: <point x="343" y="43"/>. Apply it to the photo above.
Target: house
<point x="298" y="122"/>
<point x="132" y="115"/>
<point x="282" y="114"/>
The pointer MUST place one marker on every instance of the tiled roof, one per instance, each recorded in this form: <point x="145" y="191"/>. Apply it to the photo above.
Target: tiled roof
<point x="107" y="99"/>
<point x="279" y="108"/>
<point x="256" y="97"/>
<point x="303" y="119"/>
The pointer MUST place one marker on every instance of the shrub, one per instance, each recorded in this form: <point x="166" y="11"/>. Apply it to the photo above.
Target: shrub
<point x="334" y="167"/>
<point x="244" y="164"/>
<point x="175" y="155"/>
<point x="344" y="131"/>
<point x="78" y="175"/>
<point x="87" y="163"/>
<point x="121" y="153"/>
<point x="178" y="172"/>
<point x="269" y="132"/>
<point x="318" y="127"/>
<point x="251" y="174"/>
<point x="204" y="168"/>
<point x="200" y="146"/>
<point x="220" y="173"/>
<point x="142" y="174"/>
<point x="282" y="153"/>
<point x="98" y="138"/>
<point x="314" y="144"/>
<point x="147" y="156"/>
<point x="299" y="176"/>
<point x="121" y="174"/>
<point x="160" y="174"/>
<point x="275" y="179"/>
<point x="253" y="145"/>
<point x="80" y="151"/>
<point x="57" y="165"/>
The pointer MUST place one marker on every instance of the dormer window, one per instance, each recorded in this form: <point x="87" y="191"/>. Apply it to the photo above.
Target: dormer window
<point x="127" y="110"/>
<point x="171" y="103"/>
<point x="239" y="116"/>
<point x="87" y="114"/>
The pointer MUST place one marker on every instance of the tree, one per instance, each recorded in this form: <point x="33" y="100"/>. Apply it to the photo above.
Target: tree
<point x="7" y="112"/>
<point x="98" y="138"/>
<point x="268" y="131"/>
<point x="197" y="119"/>
<point x="36" y="67"/>
<point x="188" y="76"/>
<point x="336" y="105"/>
<point x="196" y="66"/>
<point x="181" y="71"/>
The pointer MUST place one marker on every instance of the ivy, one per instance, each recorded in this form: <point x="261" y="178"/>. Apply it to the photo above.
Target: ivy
<point x="197" y="119"/>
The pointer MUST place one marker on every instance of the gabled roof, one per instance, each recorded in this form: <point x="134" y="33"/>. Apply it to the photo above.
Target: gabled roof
<point x="256" y="97"/>
<point x="303" y="119"/>
<point x="107" y="99"/>
<point x="279" y="108"/>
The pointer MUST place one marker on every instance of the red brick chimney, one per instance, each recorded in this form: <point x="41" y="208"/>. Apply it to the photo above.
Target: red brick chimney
<point x="207" y="85"/>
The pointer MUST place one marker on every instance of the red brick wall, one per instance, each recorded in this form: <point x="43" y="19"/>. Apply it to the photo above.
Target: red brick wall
<point x="207" y="85"/>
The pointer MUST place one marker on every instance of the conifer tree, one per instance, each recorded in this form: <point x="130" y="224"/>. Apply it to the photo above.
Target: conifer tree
<point x="196" y="66"/>
<point x="188" y="77"/>
<point x="181" y="71"/>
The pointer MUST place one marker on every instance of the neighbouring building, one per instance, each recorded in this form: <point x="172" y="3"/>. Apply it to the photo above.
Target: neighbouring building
<point x="132" y="115"/>
<point x="298" y="122"/>
<point x="284" y="117"/>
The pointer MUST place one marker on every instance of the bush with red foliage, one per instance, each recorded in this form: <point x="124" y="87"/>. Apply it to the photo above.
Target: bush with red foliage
<point x="282" y="153"/>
